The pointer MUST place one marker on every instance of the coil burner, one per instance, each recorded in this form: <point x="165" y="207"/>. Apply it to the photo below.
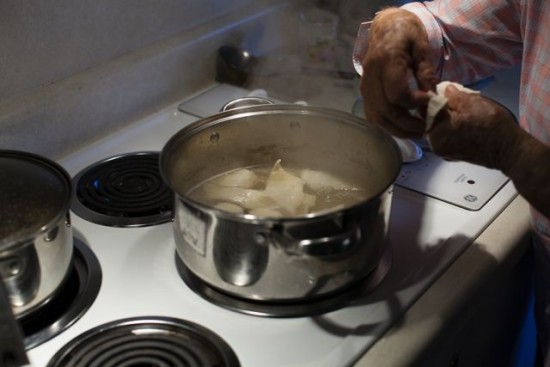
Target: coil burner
<point x="123" y="191"/>
<point x="150" y="341"/>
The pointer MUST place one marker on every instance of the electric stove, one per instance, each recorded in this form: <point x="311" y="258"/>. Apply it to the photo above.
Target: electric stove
<point x="140" y="310"/>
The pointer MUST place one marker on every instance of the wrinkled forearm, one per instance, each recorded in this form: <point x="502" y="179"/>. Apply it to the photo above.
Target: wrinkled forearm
<point x="529" y="169"/>
<point x="477" y="130"/>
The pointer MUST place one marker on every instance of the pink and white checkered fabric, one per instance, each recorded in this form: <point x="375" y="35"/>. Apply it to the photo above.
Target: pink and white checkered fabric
<point x="471" y="39"/>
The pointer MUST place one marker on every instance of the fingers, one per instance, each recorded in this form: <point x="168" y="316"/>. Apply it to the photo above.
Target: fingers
<point x="440" y="134"/>
<point x="397" y="73"/>
<point x="455" y="98"/>
<point x="396" y="119"/>
<point x="451" y="91"/>
<point x="397" y="109"/>
<point x="399" y="122"/>
<point x="420" y="98"/>
<point x="396" y="80"/>
<point x="424" y="71"/>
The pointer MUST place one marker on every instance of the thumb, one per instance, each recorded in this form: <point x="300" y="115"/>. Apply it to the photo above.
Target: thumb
<point x="450" y="91"/>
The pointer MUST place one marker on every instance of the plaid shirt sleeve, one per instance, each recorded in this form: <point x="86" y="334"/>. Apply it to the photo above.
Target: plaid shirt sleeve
<point x="471" y="39"/>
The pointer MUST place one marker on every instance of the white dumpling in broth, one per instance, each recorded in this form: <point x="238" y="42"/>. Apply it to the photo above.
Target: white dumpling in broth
<point x="243" y="178"/>
<point x="286" y="189"/>
<point x="229" y="207"/>
<point x="246" y="198"/>
<point x="268" y="212"/>
<point x="319" y="181"/>
<point x="307" y="203"/>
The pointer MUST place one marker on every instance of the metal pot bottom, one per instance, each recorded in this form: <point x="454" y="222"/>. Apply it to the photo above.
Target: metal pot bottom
<point x="74" y="298"/>
<point x="295" y="309"/>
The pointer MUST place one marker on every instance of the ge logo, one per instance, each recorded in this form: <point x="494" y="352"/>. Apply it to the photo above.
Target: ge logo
<point x="470" y="198"/>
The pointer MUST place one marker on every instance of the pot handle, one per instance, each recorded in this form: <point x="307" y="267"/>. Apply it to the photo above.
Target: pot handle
<point x="325" y="246"/>
<point x="245" y="102"/>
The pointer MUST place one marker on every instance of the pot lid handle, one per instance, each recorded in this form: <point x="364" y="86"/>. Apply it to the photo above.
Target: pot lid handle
<point x="245" y="102"/>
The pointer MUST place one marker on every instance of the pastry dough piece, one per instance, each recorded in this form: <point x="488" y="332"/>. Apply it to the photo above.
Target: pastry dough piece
<point x="318" y="180"/>
<point x="284" y="188"/>
<point x="283" y="194"/>
<point x="267" y="212"/>
<point x="438" y="101"/>
<point x="229" y="207"/>
<point x="243" y="178"/>
<point x="246" y="198"/>
<point x="308" y="201"/>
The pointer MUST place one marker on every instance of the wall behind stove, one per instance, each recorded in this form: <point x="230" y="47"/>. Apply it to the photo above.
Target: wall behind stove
<point x="46" y="41"/>
<point x="71" y="71"/>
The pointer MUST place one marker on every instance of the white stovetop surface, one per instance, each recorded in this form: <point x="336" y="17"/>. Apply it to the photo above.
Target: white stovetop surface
<point x="140" y="278"/>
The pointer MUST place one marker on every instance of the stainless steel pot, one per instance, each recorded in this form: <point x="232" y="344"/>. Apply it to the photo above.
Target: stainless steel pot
<point x="36" y="243"/>
<point x="281" y="259"/>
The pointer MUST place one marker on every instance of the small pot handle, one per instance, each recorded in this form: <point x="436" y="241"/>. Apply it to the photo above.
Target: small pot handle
<point x="331" y="245"/>
<point x="327" y="246"/>
<point x="245" y="102"/>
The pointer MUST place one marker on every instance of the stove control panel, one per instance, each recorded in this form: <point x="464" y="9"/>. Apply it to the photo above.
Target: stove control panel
<point x="463" y="184"/>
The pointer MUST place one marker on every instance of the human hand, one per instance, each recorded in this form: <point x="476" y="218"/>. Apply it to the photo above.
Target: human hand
<point x="475" y="129"/>
<point x="398" y="50"/>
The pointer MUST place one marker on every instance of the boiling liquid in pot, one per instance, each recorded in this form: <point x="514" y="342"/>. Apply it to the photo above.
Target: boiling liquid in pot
<point x="274" y="191"/>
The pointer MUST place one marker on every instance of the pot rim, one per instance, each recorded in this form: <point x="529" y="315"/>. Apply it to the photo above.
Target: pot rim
<point x="246" y="111"/>
<point x="251" y="218"/>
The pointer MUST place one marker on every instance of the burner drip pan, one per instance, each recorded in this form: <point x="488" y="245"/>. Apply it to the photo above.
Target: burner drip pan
<point x="123" y="191"/>
<point x="294" y="309"/>
<point x="71" y="302"/>
<point x="147" y="341"/>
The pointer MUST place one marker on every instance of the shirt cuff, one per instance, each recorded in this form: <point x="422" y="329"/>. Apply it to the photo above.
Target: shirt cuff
<point x="440" y="51"/>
